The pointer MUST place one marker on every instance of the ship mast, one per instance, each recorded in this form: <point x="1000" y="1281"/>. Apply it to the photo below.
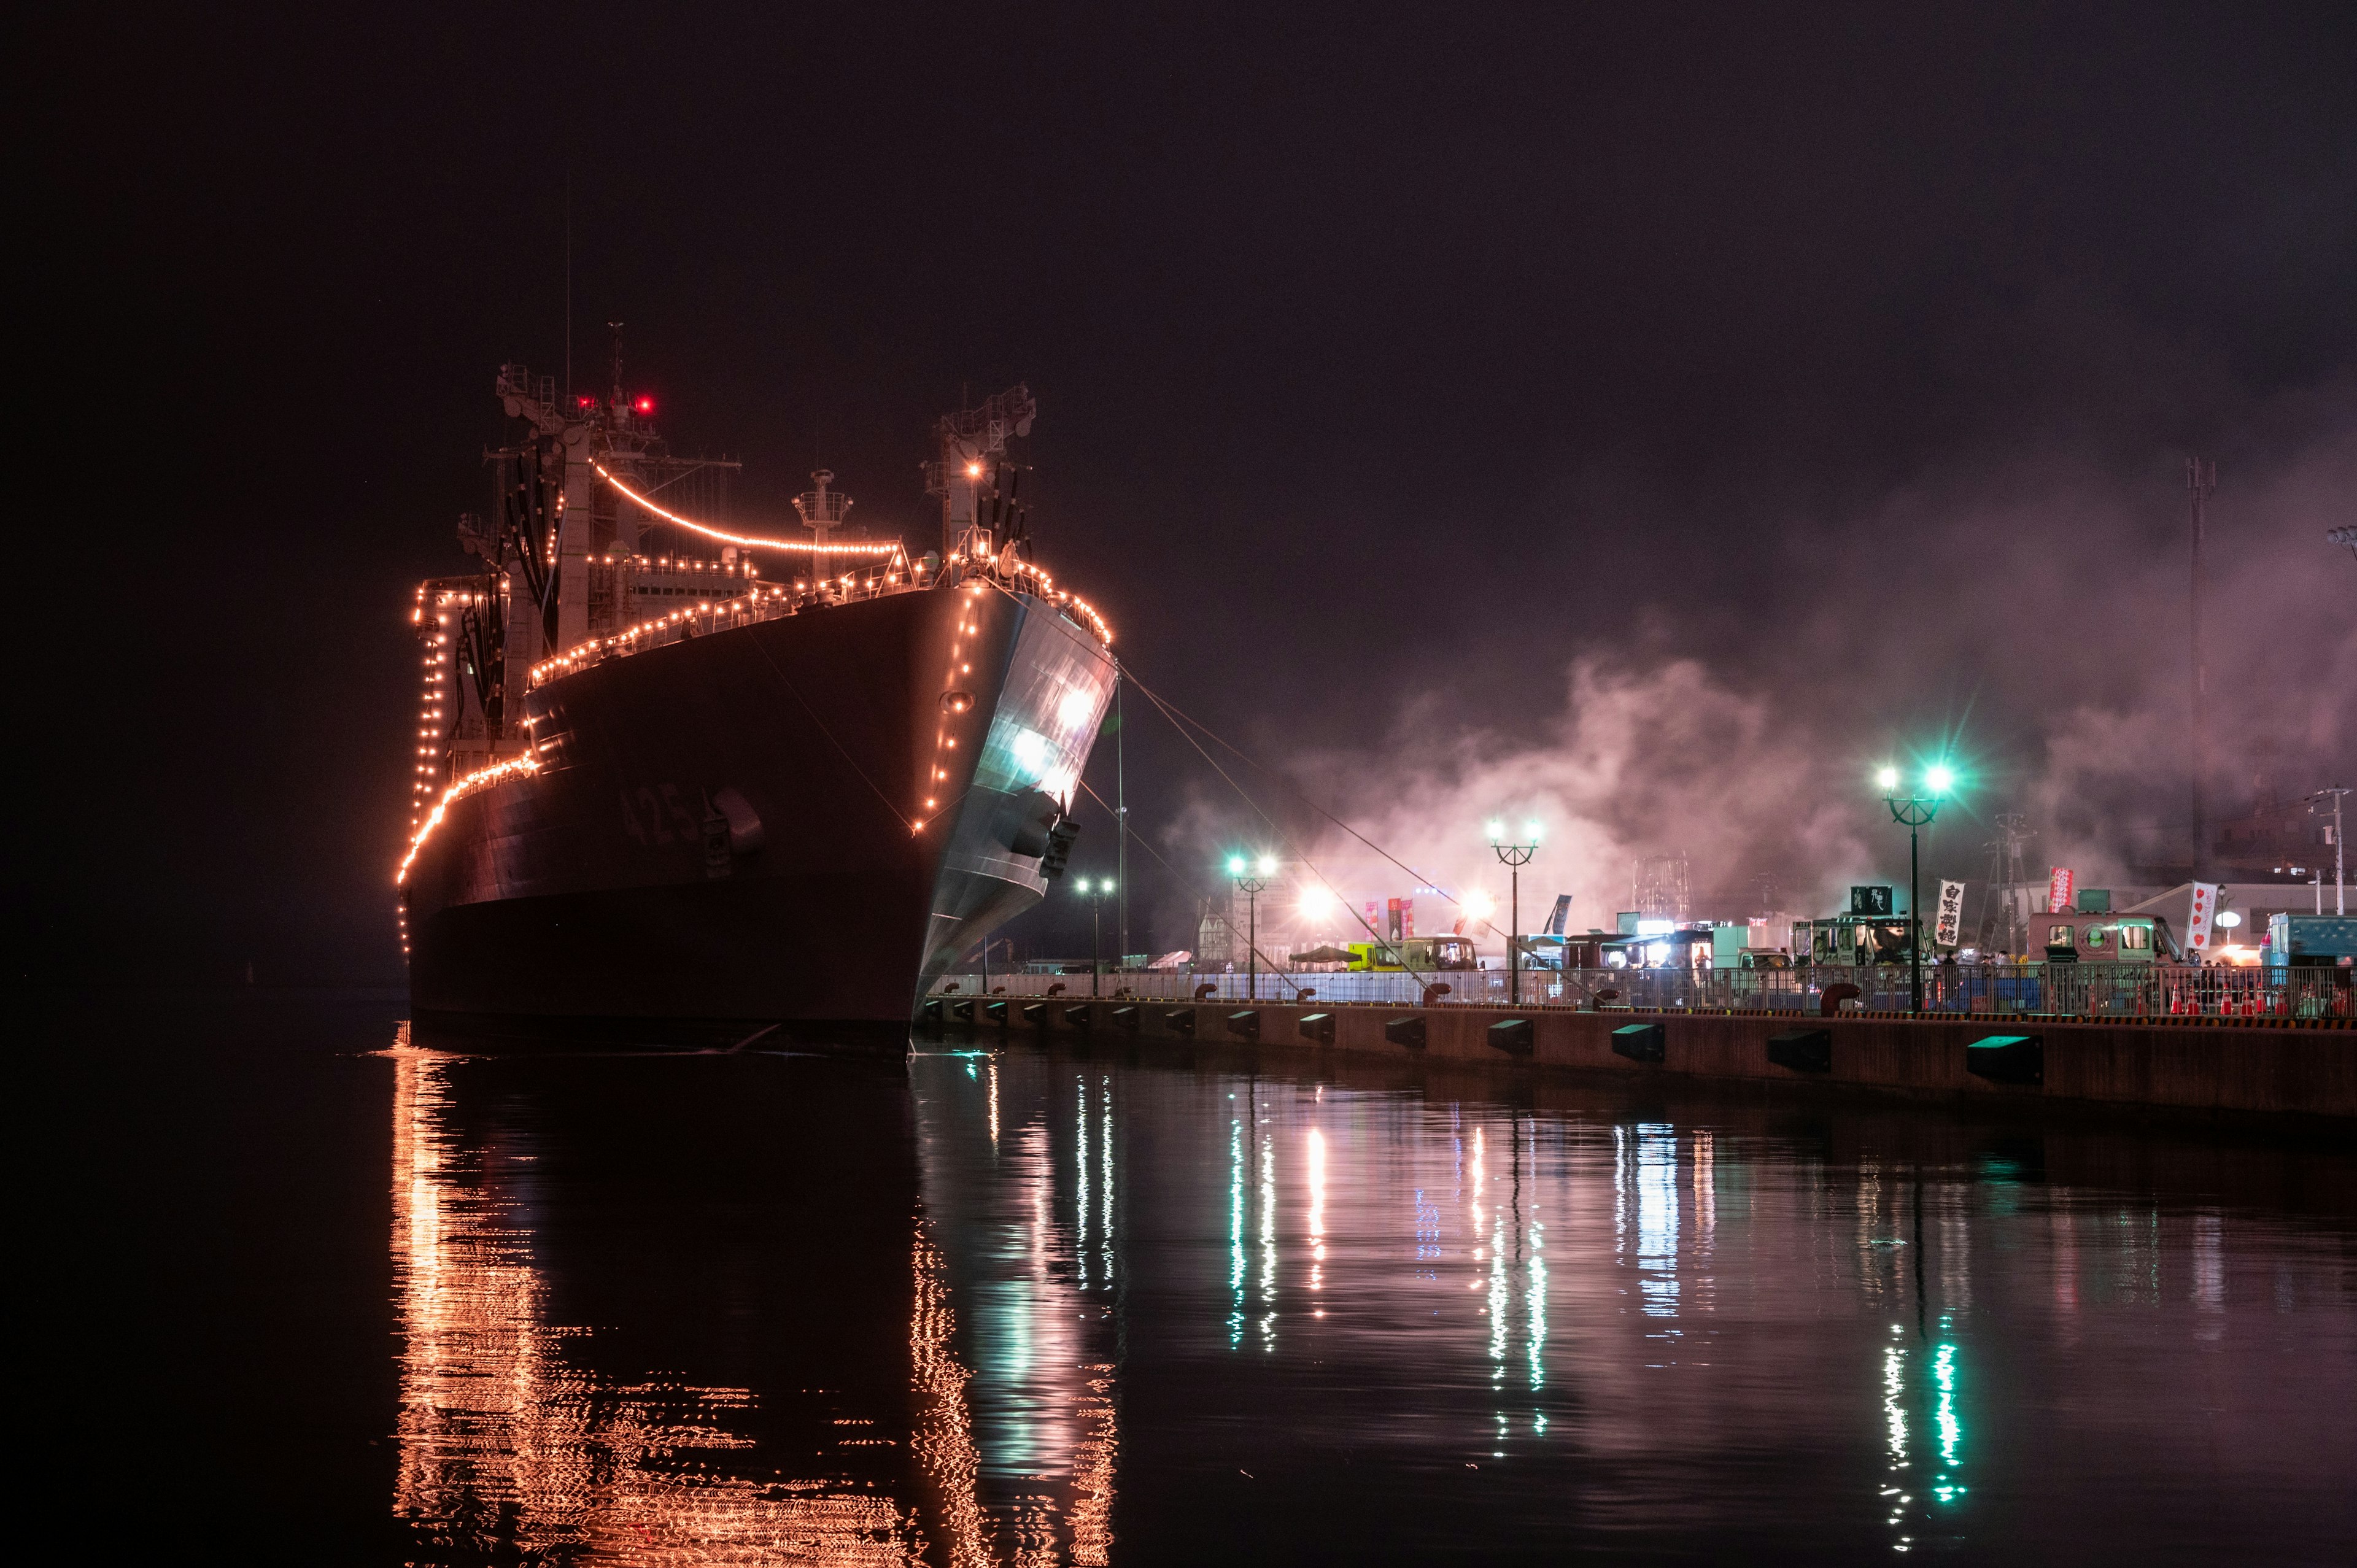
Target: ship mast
<point x="821" y="508"/>
<point x="972" y="444"/>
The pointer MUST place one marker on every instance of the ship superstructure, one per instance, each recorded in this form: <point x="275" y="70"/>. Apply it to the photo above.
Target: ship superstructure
<point x="667" y="769"/>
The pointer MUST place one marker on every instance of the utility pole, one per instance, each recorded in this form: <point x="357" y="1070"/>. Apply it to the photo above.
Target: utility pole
<point x="2200" y="480"/>
<point x="2001" y="900"/>
<point x="2340" y="860"/>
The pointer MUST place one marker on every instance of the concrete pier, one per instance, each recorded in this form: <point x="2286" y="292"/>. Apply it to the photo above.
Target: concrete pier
<point x="2264" y="1067"/>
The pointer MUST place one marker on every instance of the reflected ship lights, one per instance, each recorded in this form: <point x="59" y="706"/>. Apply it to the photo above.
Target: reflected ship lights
<point x="509" y="1447"/>
<point x="1020" y="1179"/>
<point x="1578" y="1320"/>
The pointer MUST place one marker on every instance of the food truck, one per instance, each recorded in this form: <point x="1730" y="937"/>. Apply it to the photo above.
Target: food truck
<point x="2068" y="936"/>
<point x="1421" y="954"/>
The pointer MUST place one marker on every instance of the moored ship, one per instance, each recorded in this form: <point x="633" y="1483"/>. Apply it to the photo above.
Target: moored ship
<point x="658" y="783"/>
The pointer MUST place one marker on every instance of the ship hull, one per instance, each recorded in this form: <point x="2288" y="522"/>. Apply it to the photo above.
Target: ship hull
<point x="797" y="822"/>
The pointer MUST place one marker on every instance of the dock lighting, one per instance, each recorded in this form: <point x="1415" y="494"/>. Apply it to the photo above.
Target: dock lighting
<point x="1514" y="856"/>
<point x="1251" y="887"/>
<point x="1914" y="812"/>
<point x="1096" y="893"/>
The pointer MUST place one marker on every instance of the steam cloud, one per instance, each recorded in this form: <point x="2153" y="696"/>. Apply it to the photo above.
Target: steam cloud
<point x="2031" y="619"/>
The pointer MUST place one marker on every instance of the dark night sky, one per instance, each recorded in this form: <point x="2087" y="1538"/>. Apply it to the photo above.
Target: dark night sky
<point x="1391" y="359"/>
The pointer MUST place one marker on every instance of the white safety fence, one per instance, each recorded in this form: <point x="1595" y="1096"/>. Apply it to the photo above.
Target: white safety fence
<point x="2116" y="990"/>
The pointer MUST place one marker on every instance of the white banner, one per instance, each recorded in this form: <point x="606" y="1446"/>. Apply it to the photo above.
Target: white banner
<point x="1951" y="922"/>
<point x="2206" y="910"/>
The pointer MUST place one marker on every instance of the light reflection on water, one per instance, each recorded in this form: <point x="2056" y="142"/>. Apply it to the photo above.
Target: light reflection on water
<point x="1170" y="1313"/>
<point x="503" y="1440"/>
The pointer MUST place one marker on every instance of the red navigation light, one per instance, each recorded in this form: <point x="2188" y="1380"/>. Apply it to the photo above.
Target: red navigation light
<point x="646" y="405"/>
<point x="587" y="402"/>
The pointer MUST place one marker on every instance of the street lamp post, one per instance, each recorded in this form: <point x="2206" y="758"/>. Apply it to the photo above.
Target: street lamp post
<point x="1514" y="856"/>
<point x="1251" y="878"/>
<point x="1915" y="812"/>
<point x="1105" y="885"/>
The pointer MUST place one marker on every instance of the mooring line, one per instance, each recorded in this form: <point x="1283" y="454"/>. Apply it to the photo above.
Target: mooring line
<point x="1171" y="713"/>
<point x="838" y="745"/>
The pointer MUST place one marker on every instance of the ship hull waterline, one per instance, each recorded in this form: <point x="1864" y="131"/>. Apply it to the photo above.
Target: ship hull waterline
<point x="601" y="895"/>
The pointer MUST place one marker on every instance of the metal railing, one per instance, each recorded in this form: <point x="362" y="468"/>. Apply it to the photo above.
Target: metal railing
<point x="2098" y="991"/>
<point x="763" y="601"/>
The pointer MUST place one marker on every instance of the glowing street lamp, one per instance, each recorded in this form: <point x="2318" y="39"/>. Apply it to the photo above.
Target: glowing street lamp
<point x="1915" y="812"/>
<point x="1251" y="876"/>
<point x="1096" y="893"/>
<point x="1514" y="856"/>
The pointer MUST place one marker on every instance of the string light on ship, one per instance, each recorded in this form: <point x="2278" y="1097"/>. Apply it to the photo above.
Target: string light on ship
<point x="458" y="789"/>
<point x="895" y="571"/>
<point x="875" y="551"/>
<point x="753" y="602"/>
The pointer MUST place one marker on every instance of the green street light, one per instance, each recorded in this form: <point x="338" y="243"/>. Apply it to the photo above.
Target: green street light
<point x="1250" y="887"/>
<point x="1514" y="856"/>
<point x="1914" y="812"/>
<point x="1096" y="895"/>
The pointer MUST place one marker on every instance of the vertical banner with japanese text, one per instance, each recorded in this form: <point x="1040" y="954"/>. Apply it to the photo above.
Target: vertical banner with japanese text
<point x="1950" y="922"/>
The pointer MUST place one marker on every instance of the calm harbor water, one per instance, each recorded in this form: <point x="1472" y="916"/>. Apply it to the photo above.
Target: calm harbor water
<point x="329" y="1296"/>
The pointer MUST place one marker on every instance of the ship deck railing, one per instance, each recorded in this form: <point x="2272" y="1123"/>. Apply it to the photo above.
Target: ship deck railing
<point x="2095" y="991"/>
<point x="774" y="601"/>
<point x="764" y="601"/>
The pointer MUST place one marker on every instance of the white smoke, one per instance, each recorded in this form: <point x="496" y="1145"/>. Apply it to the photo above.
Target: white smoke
<point x="1638" y="761"/>
<point x="2029" y="620"/>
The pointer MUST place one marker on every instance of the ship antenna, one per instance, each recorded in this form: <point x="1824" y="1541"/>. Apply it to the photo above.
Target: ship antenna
<point x="568" y="285"/>
<point x="618" y="362"/>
